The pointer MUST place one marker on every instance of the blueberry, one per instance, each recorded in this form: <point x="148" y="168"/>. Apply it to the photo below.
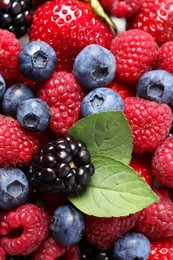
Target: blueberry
<point x="101" y="100"/>
<point x="156" y="85"/>
<point x="2" y="87"/>
<point x="67" y="225"/>
<point x="94" y="67"/>
<point x="14" y="188"/>
<point x="33" y="114"/>
<point x="131" y="246"/>
<point x="37" y="60"/>
<point x="13" y="96"/>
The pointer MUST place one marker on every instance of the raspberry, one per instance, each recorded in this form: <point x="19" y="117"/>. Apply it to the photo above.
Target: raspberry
<point x="2" y="254"/>
<point x="164" y="58"/>
<point x="142" y="165"/>
<point x="103" y="232"/>
<point x="162" y="163"/>
<point x="23" y="229"/>
<point x="63" y="95"/>
<point x="135" y="52"/>
<point x="150" y="123"/>
<point x="156" y="18"/>
<point x="156" y="221"/>
<point x="123" y="90"/>
<point x="161" y="249"/>
<point x="9" y="50"/>
<point x="17" y="146"/>
<point x="63" y="165"/>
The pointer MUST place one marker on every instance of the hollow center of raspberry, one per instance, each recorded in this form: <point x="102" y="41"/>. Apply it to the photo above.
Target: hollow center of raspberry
<point x="16" y="232"/>
<point x="97" y="101"/>
<point x="40" y="60"/>
<point x="155" y="90"/>
<point x="31" y="121"/>
<point x="100" y="73"/>
<point x="15" y="189"/>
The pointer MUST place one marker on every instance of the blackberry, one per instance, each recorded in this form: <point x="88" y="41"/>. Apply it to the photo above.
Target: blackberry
<point x="15" y="16"/>
<point x="62" y="165"/>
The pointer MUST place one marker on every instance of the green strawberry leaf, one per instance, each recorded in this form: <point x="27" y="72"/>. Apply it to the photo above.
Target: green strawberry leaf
<point x="115" y="189"/>
<point x="105" y="134"/>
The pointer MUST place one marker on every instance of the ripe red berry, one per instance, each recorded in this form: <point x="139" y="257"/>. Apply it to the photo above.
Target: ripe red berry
<point x="63" y="94"/>
<point x="9" y="50"/>
<point x="162" y="163"/>
<point x="69" y="26"/>
<point x="164" y="58"/>
<point x="22" y="230"/>
<point x="150" y="123"/>
<point x="123" y="89"/>
<point x="161" y="249"/>
<point x="17" y="145"/>
<point x="156" y="221"/>
<point x="135" y="52"/>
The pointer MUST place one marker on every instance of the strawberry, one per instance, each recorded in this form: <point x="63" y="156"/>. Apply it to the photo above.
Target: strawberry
<point x="123" y="89"/>
<point x="68" y="26"/>
<point x="161" y="249"/>
<point x="122" y="8"/>
<point x="156" y="18"/>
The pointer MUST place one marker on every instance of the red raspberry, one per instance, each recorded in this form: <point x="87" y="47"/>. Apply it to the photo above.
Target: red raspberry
<point x="16" y="145"/>
<point x="142" y="165"/>
<point x="135" y="52"/>
<point x="156" y="221"/>
<point x="165" y="57"/>
<point x="9" y="50"/>
<point x="63" y="95"/>
<point x="103" y="232"/>
<point x="122" y="8"/>
<point x="2" y="254"/>
<point x="150" y="123"/>
<point x="51" y="249"/>
<point x="156" y="18"/>
<point x="162" y="163"/>
<point x="23" y="229"/>
<point x="123" y="89"/>
<point x="69" y="26"/>
<point x="161" y="249"/>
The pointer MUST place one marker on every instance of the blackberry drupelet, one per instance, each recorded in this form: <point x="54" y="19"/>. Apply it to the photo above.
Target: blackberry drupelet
<point x="15" y="16"/>
<point x="63" y="165"/>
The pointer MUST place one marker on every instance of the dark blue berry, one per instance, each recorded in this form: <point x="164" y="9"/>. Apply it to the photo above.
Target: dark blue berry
<point x="2" y="87"/>
<point x="33" y="114"/>
<point x="132" y="246"/>
<point x="37" y="60"/>
<point x="156" y="85"/>
<point x="14" y="187"/>
<point x="94" y="67"/>
<point x="67" y="225"/>
<point x="101" y="100"/>
<point x="15" y="95"/>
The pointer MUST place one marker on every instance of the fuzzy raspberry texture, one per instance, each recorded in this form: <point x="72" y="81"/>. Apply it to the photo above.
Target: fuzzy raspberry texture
<point x="103" y="232"/>
<point x="23" y="229"/>
<point x="161" y="249"/>
<point x="150" y="123"/>
<point x="9" y="50"/>
<point x="122" y="8"/>
<point x="156" y="18"/>
<point x="141" y="163"/>
<point x="156" y="221"/>
<point x="17" y="145"/>
<point x="165" y="57"/>
<point x="63" y="94"/>
<point x="135" y="52"/>
<point x="2" y="254"/>
<point x="162" y="163"/>
<point x="123" y="89"/>
<point x="69" y="26"/>
<point x="51" y="249"/>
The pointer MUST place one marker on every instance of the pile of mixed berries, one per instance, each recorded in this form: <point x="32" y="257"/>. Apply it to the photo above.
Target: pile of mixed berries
<point x="61" y="62"/>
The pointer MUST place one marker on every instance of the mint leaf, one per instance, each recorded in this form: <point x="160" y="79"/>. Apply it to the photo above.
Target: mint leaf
<point x="115" y="190"/>
<point x="107" y="134"/>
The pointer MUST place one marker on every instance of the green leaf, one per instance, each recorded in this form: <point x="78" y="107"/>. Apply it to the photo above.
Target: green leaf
<point x="95" y="4"/>
<point x="114" y="190"/>
<point x="107" y="134"/>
